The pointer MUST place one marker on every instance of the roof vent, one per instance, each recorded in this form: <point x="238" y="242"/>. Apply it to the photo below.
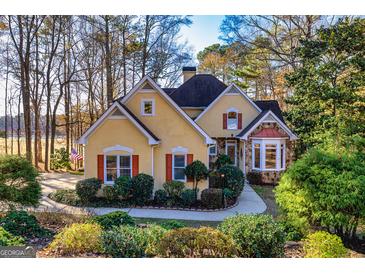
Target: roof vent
<point x="188" y="72"/>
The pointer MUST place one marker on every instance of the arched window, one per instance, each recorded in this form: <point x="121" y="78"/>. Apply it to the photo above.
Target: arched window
<point x="232" y="120"/>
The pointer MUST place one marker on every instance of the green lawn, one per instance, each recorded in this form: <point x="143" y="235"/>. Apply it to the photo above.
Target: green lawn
<point x="267" y="194"/>
<point x="189" y="223"/>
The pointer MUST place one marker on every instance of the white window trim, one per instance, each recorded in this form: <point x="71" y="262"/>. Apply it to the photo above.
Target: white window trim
<point x="212" y="154"/>
<point x="231" y="143"/>
<point x="118" y="167"/>
<point x="143" y="101"/>
<point x="263" y="143"/>
<point x="235" y="111"/>
<point x="173" y="166"/>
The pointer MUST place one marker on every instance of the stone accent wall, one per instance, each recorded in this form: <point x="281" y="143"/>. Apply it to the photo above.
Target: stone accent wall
<point x="221" y="149"/>
<point x="269" y="177"/>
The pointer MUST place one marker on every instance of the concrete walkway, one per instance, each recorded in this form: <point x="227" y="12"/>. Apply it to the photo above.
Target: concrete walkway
<point x="249" y="203"/>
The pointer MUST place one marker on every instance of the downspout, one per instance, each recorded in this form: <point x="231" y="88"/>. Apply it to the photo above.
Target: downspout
<point x="244" y="158"/>
<point x="152" y="161"/>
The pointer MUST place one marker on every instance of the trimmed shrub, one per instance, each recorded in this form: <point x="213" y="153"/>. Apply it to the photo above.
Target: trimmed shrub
<point x="20" y="223"/>
<point x="254" y="178"/>
<point x="123" y="186"/>
<point x="212" y="198"/>
<point x="222" y="160"/>
<point x="18" y="181"/>
<point x="78" y="239"/>
<point x="142" y="188"/>
<point x="291" y="231"/>
<point x="256" y="236"/>
<point x="228" y="194"/>
<point x="116" y="218"/>
<point x="110" y="194"/>
<point x="197" y="171"/>
<point x="125" y="242"/>
<point x="161" y="197"/>
<point x="172" y="224"/>
<point x="201" y="242"/>
<point x="8" y="239"/>
<point x="174" y="189"/>
<point x="154" y="234"/>
<point x="87" y="189"/>
<point x="232" y="178"/>
<point x="65" y="196"/>
<point x="322" y="244"/>
<point x="188" y="197"/>
<point x="60" y="159"/>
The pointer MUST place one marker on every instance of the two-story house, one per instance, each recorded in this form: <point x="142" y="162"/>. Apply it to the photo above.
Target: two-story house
<point x="158" y="131"/>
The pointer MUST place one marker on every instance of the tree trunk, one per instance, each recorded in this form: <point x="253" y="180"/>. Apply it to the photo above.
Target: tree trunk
<point x="6" y="99"/>
<point x="109" y="84"/>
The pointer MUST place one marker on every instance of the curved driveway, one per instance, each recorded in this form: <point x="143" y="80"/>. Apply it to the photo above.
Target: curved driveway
<point x="249" y="203"/>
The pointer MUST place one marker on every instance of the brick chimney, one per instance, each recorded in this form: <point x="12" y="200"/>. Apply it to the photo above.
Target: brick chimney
<point x="188" y="72"/>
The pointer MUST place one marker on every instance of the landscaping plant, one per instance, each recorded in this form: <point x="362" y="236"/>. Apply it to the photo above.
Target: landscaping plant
<point x="255" y="236"/>
<point x="174" y="190"/>
<point x="172" y="224"/>
<point x="161" y="197"/>
<point x="65" y="196"/>
<point x="212" y="198"/>
<point x="123" y="186"/>
<point x="60" y="159"/>
<point x="322" y="244"/>
<point x="86" y="189"/>
<point x="188" y="197"/>
<point x="116" y="218"/>
<point x="142" y="188"/>
<point x="110" y="194"/>
<point x="201" y="242"/>
<point x="8" y="239"/>
<point x="18" y="181"/>
<point x="77" y="239"/>
<point x="232" y="178"/>
<point x="154" y="234"/>
<point x="196" y="171"/>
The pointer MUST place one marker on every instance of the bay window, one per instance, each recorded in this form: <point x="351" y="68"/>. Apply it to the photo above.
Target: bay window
<point x="116" y="166"/>
<point x="268" y="154"/>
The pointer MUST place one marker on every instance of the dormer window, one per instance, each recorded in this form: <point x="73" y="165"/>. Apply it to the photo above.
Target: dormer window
<point x="232" y="120"/>
<point x="147" y="107"/>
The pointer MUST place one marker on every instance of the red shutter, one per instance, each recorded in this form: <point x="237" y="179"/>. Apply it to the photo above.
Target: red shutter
<point x="239" y="120"/>
<point x="101" y="167"/>
<point x="224" y="120"/>
<point x="189" y="160"/>
<point x="168" y="167"/>
<point x="135" y="165"/>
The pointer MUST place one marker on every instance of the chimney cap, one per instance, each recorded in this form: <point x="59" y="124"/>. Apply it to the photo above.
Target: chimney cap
<point x="189" y="69"/>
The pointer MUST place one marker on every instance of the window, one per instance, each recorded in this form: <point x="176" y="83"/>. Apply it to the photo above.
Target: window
<point x="116" y="166"/>
<point x="213" y="150"/>
<point x="148" y="107"/>
<point x="232" y="120"/>
<point x="179" y="163"/>
<point x="268" y="154"/>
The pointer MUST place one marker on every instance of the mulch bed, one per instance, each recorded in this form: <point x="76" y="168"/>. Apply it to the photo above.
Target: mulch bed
<point x="293" y="250"/>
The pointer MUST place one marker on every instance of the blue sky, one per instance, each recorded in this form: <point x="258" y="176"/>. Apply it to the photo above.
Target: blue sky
<point x="203" y="32"/>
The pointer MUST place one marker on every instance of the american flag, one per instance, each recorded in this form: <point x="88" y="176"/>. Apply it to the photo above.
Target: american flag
<point x="75" y="155"/>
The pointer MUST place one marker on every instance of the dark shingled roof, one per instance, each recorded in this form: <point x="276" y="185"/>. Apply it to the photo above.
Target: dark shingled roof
<point x="139" y="122"/>
<point x="250" y="125"/>
<point x="199" y="91"/>
<point x="270" y="105"/>
<point x="169" y="90"/>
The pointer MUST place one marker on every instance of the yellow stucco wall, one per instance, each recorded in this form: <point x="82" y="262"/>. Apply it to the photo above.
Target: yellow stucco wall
<point x="112" y="133"/>
<point x="193" y="113"/>
<point x="173" y="131"/>
<point x="212" y="120"/>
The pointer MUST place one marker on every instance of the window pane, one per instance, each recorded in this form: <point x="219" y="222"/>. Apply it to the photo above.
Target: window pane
<point x="232" y="115"/>
<point x="212" y="150"/>
<point x="179" y="174"/>
<point x="270" y="161"/>
<point x="125" y="172"/>
<point x="111" y="174"/>
<point x="111" y="161"/>
<point x="179" y="161"/>
<point x="148" y="107"/>
<point x="257" y="156"/>
<point x="282" y="154"/>
<point x="125" y="161"/>
<point x="232" y="120"/>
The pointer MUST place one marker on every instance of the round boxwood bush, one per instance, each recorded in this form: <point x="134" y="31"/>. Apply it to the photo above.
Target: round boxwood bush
<point x="154" y="234"/>
<point x="201" y="242"/>
<point x="142" y="188"/>
<point x="322" y="244"/>
<point x="123" y="187"/>
<point x="232" y="178"/>
<point x="110" y="193"/>
<point x="174" y="189"/>
<point x="18" y="181"/>
<point x="125" y="242"/>
<point x="256" y="236"/>
<point x="87" y="189"/>
<point x="20" y="223"/>
<point x="212" y="198"/>
<point x="188" y="197"/>
<point x="116" y="218"/>
<point x="160" y="197"/>
<point x="8" y="239"/>
<point x="77" y="239"/>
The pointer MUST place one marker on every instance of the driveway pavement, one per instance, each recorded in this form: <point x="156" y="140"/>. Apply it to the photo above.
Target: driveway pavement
<point x="249" y="203"/>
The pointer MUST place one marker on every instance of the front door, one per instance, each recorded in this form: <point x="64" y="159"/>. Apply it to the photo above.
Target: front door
<point x="231" y="151"/>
